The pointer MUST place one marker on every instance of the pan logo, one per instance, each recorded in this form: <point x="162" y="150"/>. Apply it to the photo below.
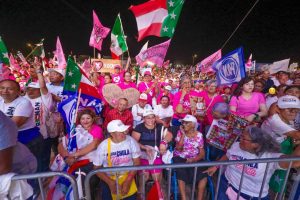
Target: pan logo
<point x="229" y="69"/>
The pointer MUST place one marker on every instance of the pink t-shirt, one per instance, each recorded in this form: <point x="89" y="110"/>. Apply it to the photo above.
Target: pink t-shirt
<point x="142" y="87"/>
<point x="209" y="104"/>
<point x="118" y="78"/>
<point x="96" y="132"/>
<point x="246" y="107"/>
<point x="186" y="104"/>
<point x="125" y="86"/>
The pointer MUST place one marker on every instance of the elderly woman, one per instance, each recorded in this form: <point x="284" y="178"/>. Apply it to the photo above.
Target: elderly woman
<point x="210" y="97"/>
<point x="116" y="151"/>
<point x="246" y="103"/>
<point x="182" y="101"/>
<point x="189" y="149"/>
<point x="254" y="144"/>
<point x="153" y="140"/>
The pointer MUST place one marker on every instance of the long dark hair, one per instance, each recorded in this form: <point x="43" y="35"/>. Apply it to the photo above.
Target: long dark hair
<point x="238" y="91"/>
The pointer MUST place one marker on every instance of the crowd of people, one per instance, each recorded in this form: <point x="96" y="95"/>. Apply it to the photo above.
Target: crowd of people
<point x="174" y="112"/>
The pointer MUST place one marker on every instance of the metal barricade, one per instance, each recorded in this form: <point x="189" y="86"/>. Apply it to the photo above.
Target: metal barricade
<point x="39" y="177"/>
<point x="221" y="164"/>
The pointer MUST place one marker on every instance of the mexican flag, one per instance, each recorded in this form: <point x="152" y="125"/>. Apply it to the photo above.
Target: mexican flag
<point x="118" y="40"/>
<point x="157" y="17"/>
<point x="4" y="58"/>
<point x="76" y="80"/>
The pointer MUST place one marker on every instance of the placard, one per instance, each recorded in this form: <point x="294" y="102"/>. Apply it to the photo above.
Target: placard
<point x="223" y="133"/>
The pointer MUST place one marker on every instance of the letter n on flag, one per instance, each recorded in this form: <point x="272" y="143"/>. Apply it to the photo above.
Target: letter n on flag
<point x="231" y="68"/>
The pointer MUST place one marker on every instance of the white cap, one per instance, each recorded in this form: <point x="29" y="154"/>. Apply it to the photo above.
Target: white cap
<point x="143" y="96"/>
<point x="58" y="70"/>
<point x="288" y="101"/>
<point x="34" y="85"/>
<point x="148" y="112"/>
<point x="189" y="118"/>
<point x="167" y="87"/>
<point x="116" y="126"/>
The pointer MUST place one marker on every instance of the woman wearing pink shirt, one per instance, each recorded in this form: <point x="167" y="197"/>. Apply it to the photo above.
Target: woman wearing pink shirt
<point x="148" y="87"/>
<point x="182" y="101"/>
<point x="210" y="98"/>
<point x="246" y="103"/>
<point x="127" y="82"/>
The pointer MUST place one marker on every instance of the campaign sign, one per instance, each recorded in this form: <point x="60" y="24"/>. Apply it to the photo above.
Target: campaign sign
<point x="231" y="68"/>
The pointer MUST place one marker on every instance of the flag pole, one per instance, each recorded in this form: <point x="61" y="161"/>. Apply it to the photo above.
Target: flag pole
<point x="77" y="106"/>
<point x="94" y="53"/>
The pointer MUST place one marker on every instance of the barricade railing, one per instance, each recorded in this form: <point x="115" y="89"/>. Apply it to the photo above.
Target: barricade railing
<point x="40" y="176"/>
<point x="170" y="167"/>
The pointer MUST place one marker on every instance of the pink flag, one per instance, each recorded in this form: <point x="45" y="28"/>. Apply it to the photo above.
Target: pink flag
<point x="248" y="64"/>
<point x="154" y="55"/>
<point x="206" y="64"/>
<point x="86" y="66"/>
<point x="99" y="33"/>
<point x="13" y="63"/>
<point x="59" y="54"/>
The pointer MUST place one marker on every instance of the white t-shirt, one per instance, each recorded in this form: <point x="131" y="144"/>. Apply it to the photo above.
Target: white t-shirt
<point x="254" y="172"/>
<point x="54" y="89"/>
<point x="137" y="109"/>
<point x="276" y="128"/>
<point x="163" y="112"/>
<point x="19" y="107"/>
<point x="122" y="153"/>
<point x="41" y="107"/>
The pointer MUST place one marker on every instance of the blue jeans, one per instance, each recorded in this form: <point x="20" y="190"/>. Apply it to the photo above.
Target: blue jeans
<point x="223" y="187"/>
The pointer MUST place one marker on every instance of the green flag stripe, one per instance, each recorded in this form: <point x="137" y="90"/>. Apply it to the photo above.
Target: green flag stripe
<point x="119" y="33"/>
<point x="3" y="53"/>
<point x="169" y="24"/>
<point x="73" y="76"/>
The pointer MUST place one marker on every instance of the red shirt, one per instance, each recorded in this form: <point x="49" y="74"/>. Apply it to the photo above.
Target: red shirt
<point x="126" y="117"/>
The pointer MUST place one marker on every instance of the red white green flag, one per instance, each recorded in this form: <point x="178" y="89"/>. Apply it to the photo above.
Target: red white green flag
<point x="157" y="17"/>
<point x="118" y="40"/>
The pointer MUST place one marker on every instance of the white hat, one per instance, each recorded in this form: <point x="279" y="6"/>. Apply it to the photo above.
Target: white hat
<point x="116" y="126"/>
<point x="167" y="87"/>
<point x="189" y="118"/>
<point x="288" y="101"/>
<point x="34" y="85"/>
<point x="144" y="97"/>
<point x="148" y="112"/>
<point x="58" y="70"/>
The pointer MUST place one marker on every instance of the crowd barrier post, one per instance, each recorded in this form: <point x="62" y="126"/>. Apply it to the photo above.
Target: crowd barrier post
<point x="220" y="164"/>
<point x="41" y="175"/>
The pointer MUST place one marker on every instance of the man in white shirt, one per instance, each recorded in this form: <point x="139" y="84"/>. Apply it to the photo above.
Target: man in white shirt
<point x="20" y="110"/>
<point x="139" y="108"/>
<point x="56" y="85"/>
<point x="41" y="100"/>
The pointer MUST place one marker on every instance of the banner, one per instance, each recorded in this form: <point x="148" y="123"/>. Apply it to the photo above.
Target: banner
<point x="231" y="68"/>
<point x="104" y="65"/>
<point x="205" y="65"/>
<point x="155" y="55"/>
<point x="281" y="65"/>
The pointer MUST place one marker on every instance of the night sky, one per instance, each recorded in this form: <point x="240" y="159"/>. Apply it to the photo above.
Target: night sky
<point x="271" y="32"/>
